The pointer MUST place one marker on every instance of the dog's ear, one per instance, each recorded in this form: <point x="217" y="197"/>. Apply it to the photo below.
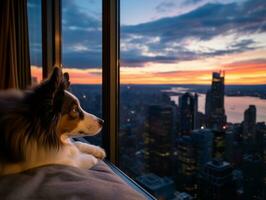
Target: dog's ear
<point x="49" y="91"/>
<point x="42" y="107"/>
<point x="53" y="83"/>
<point x="66" y="81"/>
<point x="60" y="93"/>
<point x="56" y="78"/>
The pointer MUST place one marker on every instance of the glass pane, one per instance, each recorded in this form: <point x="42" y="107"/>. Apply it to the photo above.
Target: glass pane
<point x="193" y="97"/>
<point x="35" y="38"/>
<point x="82" y="53"/>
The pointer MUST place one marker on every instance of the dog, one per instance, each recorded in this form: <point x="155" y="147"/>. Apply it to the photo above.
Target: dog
<point x="36" y="127"/>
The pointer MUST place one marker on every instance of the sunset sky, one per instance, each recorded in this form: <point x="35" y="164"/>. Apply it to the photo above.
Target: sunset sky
<point x="164" y="41"/>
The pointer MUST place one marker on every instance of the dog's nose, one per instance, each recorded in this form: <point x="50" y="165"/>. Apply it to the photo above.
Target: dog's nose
<point x="100" y="121"/>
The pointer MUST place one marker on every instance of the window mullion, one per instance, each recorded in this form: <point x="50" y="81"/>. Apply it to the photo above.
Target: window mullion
<point x="111" y="78"/>
<point x="51" y="35"/>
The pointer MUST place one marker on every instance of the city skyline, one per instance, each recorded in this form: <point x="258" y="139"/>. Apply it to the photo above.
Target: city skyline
<point x="192" y="157"/>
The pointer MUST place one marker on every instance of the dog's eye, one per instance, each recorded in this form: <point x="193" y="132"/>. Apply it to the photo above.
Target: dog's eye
<point x="74" y="110"/>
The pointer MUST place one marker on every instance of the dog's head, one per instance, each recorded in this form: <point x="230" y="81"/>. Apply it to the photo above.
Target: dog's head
<point x="47" y="115"/>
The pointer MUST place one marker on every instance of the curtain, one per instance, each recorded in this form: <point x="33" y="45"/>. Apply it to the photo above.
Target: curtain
<point x="14" y="45"/>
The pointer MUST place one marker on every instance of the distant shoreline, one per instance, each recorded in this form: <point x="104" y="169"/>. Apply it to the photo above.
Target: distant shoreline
<point x="257" y="91"/>
<point x="171" y="85"/>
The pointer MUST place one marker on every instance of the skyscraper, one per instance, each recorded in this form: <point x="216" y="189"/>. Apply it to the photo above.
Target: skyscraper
<point x="187" y="164"/>
<point x="218" y="145"/>
<point x="216" y="181"/>
<point x="214" y="108"/>
<point x="193" y="152"/>
<point x="203" y="145"/>
<point x="249" y="124"/>
<point x="249" y="129"/>
<point x="159" y="139"/>
<point x="253" y="169"/>
<point x="160" y="187"/>
<point x="188" y="105"/>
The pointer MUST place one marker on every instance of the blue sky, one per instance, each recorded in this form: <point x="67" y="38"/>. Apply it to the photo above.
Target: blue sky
<point x="140" y="11"/>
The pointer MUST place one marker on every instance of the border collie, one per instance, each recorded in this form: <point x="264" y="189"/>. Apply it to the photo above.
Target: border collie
<point x="36" y="127"/>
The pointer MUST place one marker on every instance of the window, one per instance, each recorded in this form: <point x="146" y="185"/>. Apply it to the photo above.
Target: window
<point x="192" y="97"/>
<point x="35" y="38"/>
<point x="82" y="53"/>
<point x="192" y="92"/>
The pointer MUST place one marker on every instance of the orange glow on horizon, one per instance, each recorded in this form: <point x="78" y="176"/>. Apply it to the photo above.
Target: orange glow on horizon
<point x="251" y="76"/>
<point x="36" y="72"/>
<point x="247" y="68"/>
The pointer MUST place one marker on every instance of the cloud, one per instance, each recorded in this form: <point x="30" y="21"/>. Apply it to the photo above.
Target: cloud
<point x="82" y="60"/>
<point x="82" y="38"/>
<point x="216" y="29"/>
<point x="213" y="29"/>
<point x="257" y="64"/>
<point x="249" y="71"/>
<point x="165" y="6"/>
<point x="74" y="16"/>
<point x="81" y="31"/>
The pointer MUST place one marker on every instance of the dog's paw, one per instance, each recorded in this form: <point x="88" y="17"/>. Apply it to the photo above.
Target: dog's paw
<point x="88" y="161"/>
<point x="99" y="153"/>
<point x="94" y="161"/>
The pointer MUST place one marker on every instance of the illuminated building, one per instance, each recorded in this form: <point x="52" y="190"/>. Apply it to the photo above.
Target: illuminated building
<point x="219" y="145"/>
<point x="232" y="152"/>
<point x="214" y="108"/>
<point x="188" y="105"/>
<point x="193" y="152"/>
<point x="203" y="145"/>
<point x="249" y="128"/>
<point x="187" y="164"/>
<point x="159" y="139"/>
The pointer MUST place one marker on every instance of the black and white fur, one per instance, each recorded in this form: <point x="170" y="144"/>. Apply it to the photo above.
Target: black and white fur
<point x="36" y="127"/>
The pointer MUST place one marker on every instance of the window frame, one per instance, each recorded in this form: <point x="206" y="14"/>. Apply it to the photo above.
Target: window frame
<point x="51" y="35"/>
<point x="110" y="78"/>
<point x="52" y="56"/>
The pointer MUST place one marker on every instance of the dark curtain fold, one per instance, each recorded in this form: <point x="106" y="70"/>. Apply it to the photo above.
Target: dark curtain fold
<point x="23" y="64"/>
<point x="14" y="45"/>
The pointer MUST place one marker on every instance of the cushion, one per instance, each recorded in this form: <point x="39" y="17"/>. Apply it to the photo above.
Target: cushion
<point x="66" y="182"/>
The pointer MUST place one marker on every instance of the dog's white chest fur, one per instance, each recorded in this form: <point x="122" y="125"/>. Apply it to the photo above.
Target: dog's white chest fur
<point x="82" y="155"/>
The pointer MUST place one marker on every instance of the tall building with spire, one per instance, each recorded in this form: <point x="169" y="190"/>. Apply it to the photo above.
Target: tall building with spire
<point x="214" y="108"/>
